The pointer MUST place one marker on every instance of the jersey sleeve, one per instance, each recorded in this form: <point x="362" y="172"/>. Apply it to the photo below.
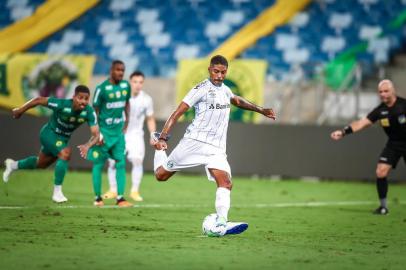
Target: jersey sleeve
<point x="97" y="99"/>
<point x="229" y="93"/>
<point x="150" y="107"/>
<point x="194" y="95"/>
<point x="91" y="117"/>
<point x="374" y="115"/>
<point x="54" y="103"/>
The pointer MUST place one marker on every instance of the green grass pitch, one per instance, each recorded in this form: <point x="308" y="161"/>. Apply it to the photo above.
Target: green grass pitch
<point x="292" y="225"/>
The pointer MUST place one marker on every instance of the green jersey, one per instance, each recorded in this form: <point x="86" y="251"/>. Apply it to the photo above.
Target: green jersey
<point x="111" y="101"/>
<point x="65" y="120"/>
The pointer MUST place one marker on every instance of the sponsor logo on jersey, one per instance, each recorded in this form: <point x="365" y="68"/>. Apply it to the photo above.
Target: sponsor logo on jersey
<point x="72" y="119"/>
<point x="384" y="112"/>
<point x="111" y="95"/>
<point x="81" y="120"/>
<point x="65" y="125"/>
<point x="58" y="143"/>
<point x="109" y="87"/>
<point x="385" y="122"/>
<point x="52" y="104"/>
<point x="402" y="119"/>
<point x="118" y="94"/>
<point x="83" y="113"/>
<point x="67" y="110"/>
<point x="123" y="85"/>
<point x="115" y="105"/>
<point x="219" y="106"/>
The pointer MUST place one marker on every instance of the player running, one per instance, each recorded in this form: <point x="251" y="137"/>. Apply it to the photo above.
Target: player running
<point x="391" y="114"/>
<point x="68" y="115"/>
<point x="204" y="142"/>
<point x="111" y="103"/>
<point x="141" y="109"/>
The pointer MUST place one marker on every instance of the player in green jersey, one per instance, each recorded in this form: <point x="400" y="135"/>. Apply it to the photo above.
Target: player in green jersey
<point x="68" y="115"/>
<point x="111" y="103"/>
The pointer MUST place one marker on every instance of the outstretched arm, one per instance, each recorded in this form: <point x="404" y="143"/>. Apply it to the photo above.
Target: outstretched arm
<point x="17" y="112"/>
<point x="95" y="134"/>
<point x="353" y="127"/>
<point x="242" y="103"/>
<point x="182" y="108"/>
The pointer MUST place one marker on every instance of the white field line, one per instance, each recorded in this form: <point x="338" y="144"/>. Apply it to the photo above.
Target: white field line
<point x="261" y="205"/>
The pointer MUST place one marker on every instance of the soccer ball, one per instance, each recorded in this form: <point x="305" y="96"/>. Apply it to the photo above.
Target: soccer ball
<point x="212" y="227"/>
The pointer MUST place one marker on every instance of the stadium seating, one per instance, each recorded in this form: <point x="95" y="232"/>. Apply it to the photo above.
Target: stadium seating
<point x="154" y="35"/>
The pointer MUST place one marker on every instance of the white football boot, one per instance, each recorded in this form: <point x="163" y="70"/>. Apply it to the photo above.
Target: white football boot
<point x="10" y="167"/>
<point x="58" y="196"/>
<point x="236" y="227"/>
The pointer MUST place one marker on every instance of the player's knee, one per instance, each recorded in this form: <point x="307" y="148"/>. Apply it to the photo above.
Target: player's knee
<point x="65" y="154"/>
<point x="111" y="164"/>
<point x="382" y="172"/>
<point x="120" y="164"/>
<point x="161" y="175"/>
<point x="227" y="184"/>
<point x="136" y="162"/>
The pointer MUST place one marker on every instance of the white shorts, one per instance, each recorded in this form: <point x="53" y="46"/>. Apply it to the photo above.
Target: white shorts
<point x="191" y="153"/>
<point x="135" y="146"/>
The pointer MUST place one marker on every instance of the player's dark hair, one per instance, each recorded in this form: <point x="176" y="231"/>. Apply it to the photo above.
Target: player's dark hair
<point x="82" y="89"/>
<point x="218" y="60"/>
<point x="117" y="62"/>
<point x="137" y="73"/>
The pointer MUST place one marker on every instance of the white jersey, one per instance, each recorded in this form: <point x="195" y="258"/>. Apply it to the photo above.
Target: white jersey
<point x="140" y="106"/>
<point x="212" y="112"/>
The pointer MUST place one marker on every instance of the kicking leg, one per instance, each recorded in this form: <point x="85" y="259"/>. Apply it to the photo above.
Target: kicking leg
<point x="159" y="159"/>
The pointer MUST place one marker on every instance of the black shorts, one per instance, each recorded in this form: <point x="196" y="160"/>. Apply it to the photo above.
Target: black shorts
<point x="392" y="152"/>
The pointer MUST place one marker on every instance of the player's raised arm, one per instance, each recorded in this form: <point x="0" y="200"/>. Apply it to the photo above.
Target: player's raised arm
<point x="351" y="128"/>
<point x="242" y="103"/>
<point x="17" y="112"/>
<point x="173" y="118"/>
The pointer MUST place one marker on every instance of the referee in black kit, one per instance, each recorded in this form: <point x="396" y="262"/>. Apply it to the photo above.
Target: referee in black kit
<point x="391" y="114"/>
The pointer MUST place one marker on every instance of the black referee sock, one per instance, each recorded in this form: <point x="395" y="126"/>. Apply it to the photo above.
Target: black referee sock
<point x="382" y="188"/>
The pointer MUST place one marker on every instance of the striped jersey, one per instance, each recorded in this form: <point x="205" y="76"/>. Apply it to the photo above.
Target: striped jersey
<point x="212" y="111"/>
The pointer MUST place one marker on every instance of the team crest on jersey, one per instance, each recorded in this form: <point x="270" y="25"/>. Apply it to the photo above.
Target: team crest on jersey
<point x="402" y="119"/>
<point x="124" y="92"/>
<point x="212" y="94"/>
<point x="111" y="95"/>
<point x="67" y="110"/>
<point x="123" y="85"/>
<point x="109" y="87"/>
<point x="81" y="120"/>
<point x="118" y="94"/>
<point x="170" y="164"/>
<point x="58" y="143"/>
<point x="72" y="119"/>
<point x="95" y="154"/>
<point x="385" y="122"/>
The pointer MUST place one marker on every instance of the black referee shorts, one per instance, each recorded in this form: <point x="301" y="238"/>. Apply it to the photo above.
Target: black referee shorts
<point x="392" y="152"/>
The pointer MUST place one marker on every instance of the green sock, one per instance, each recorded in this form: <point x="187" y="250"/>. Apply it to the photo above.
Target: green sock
<point x="28" y="163"/>
<point x="120" y="177"/>
<point x="60" y="170"/>
<point x="97" y="178"/>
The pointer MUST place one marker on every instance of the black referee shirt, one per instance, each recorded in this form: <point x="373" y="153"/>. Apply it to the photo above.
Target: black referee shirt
<point x="392" y="119"/>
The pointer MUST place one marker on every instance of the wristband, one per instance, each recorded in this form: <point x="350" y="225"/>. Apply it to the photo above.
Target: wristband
<point x="347" y="130"/>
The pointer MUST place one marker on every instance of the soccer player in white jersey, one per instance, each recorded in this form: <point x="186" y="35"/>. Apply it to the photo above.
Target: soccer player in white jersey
<point x="204" y="142"/>
<point x="141" y="110"/>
